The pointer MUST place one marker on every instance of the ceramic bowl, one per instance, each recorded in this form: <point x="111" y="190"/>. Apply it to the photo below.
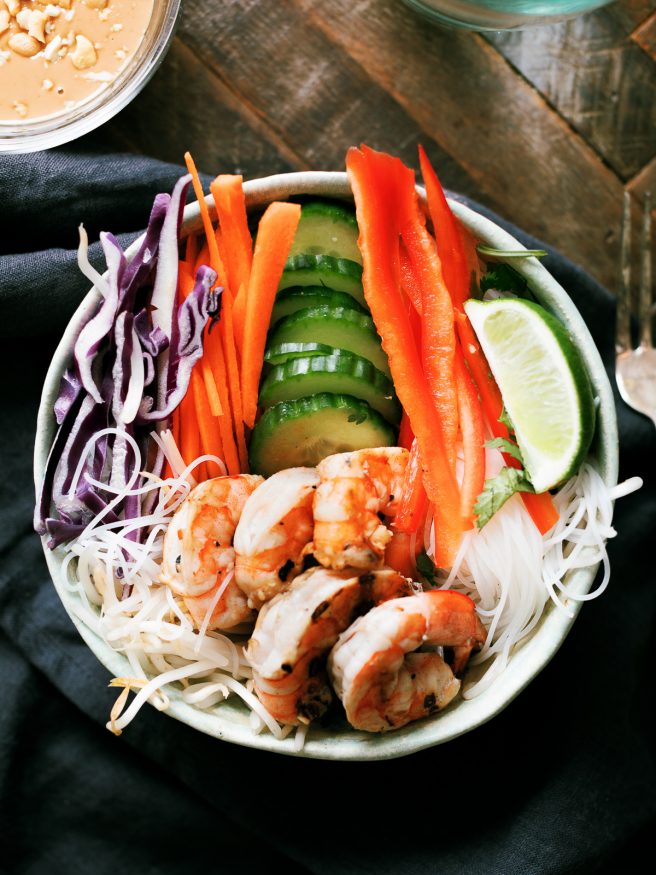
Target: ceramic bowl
<point x="229" y="720"/>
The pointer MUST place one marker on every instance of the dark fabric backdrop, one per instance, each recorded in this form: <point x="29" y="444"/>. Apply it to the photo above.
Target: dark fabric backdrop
<point x="562" y="781"/>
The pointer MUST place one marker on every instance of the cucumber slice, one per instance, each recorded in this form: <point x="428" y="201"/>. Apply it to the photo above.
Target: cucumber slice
<point x="299" y="297"/>
<point x="283" y="352"/>
<point x="338" y="274"/>
<point x="327" y="229"/>
<point x="340" y="327"/>
<point x="342" y="373"/>
<point x="305" y="431"/>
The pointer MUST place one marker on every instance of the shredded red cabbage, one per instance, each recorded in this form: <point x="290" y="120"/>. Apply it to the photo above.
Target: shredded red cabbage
<point x="131" y="367"/>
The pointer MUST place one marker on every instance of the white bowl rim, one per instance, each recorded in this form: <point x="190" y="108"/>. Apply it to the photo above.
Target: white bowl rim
<point x="226" y="722"/>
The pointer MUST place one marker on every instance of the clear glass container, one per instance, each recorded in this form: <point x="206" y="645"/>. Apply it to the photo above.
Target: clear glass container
<point x="44" y="132"/>
<point x="502" y="14"/>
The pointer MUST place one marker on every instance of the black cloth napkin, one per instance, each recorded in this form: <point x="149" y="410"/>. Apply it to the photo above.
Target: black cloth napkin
<point x="562" y="781"/>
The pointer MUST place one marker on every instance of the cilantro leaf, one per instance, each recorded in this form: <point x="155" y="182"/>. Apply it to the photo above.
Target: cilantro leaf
<point x="504" y="419"/>
<point x="497" y="491"/>
<point x="506" y="446"/>
<point x="503" y="278"/>
<point x="426" y="567"/>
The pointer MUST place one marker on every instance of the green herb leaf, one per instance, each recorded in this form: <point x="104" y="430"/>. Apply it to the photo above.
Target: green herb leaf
<point x="491" y="252"/>
<point x="503" y="278"/>
<point x="504" y="419"/>
<point x="426" y="567"/>
<point x="497" y="491"/>
<point x="506" y="446"/>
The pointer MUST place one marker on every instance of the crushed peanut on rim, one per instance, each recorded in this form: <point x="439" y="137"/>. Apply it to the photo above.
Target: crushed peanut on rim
<point x="55" y="54"/>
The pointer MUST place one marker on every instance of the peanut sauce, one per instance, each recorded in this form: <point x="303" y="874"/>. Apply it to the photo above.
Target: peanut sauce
<point x="55" y="54"/>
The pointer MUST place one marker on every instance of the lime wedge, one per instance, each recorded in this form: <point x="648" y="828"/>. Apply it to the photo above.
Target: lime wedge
<point x="544" y="385"/>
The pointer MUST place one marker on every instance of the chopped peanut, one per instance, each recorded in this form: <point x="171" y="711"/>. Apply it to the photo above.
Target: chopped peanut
<point x="24" y="45"/>
<point x="84" y="55"/>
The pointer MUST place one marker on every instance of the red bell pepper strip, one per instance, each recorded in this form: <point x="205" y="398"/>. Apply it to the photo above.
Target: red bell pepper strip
<point x="455" y="263"/>
<point x="406" y="436"/>
<point x="472" y="429"/>
<point x="438" y="338"/>
<point x="376" y="180"/>
<point x="447" y="235"/>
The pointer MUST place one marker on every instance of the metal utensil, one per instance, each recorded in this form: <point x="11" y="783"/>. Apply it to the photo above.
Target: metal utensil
<point x="635" y="368"/>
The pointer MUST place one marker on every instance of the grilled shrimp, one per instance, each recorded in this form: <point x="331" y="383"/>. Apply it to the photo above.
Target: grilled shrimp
<point x="296" y="629"/>
<point x="355" y="488"/>
<point x="198" y="557"/>
<point x="382" y="683"/>
<point x="274" y="530"/>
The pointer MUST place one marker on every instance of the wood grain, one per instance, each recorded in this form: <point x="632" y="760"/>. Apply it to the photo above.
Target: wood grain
<point x="524" y="159"/>
<point x="645" y="36"/>
<point x="544" y="126"/>
<point x="600" y="82"/>
<point x="188" y="107"/>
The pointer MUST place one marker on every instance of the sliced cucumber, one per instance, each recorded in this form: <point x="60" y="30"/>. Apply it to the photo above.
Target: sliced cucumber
<point x="338" y="274"/>
<point x="342" y="373"/>
<point x="340" y="327"/>
<point x="327" y="228"/>
<point x="300" y="297"/>
<point x="305" y="431"/>
<point x="283" y="352"/>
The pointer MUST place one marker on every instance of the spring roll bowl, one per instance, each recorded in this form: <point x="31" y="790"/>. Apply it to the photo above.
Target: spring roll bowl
<point x="229" y="720"/>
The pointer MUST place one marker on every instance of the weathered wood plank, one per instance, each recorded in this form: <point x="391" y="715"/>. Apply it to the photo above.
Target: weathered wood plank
<point x="599" y="81"/>
<point x="312" y="95"/>
<point x="525" y="159"/>
<point x="644" y="181"/>
<point x="645" y="36"/>
<point x="186" y="106"/>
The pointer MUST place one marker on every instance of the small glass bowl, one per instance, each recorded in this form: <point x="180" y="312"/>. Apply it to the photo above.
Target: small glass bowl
<point x="44" y="132"/>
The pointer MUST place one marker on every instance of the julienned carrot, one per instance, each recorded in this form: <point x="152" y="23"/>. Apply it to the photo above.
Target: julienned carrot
<point x="239" y="317"/>
<point x="472" y="429"/>
<point x="232" y="370"/>
<point x="185" y="279"/>
<point x="237" y="252"/>
<point x="203" y="257"/>
<point x="189" y="434"/>
<point x="275" y="236"/>
<point x="457" y="264"/>
<point x="214" y="352"/>
<point x="215" y="259"/>
<point x="374" y="182"/>
<point x="208" y="428"/>
<point x="225" y="364"/>
<point x="191" y="251"/>
<point x="412" y="506"/>
<point x="228" y="194"/>
<point x="211" y="390"/>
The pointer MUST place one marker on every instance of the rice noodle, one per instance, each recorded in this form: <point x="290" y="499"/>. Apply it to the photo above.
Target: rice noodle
<point x="508" y="569"/>
<point x="150" y="626"/>
<point x="511" y="571"/>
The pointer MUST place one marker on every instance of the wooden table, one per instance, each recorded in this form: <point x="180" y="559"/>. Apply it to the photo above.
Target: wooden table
<point x="545" y="126"/>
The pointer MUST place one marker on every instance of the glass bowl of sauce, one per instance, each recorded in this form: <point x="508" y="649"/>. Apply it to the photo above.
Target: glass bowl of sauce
<point x="68" y="66"/>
